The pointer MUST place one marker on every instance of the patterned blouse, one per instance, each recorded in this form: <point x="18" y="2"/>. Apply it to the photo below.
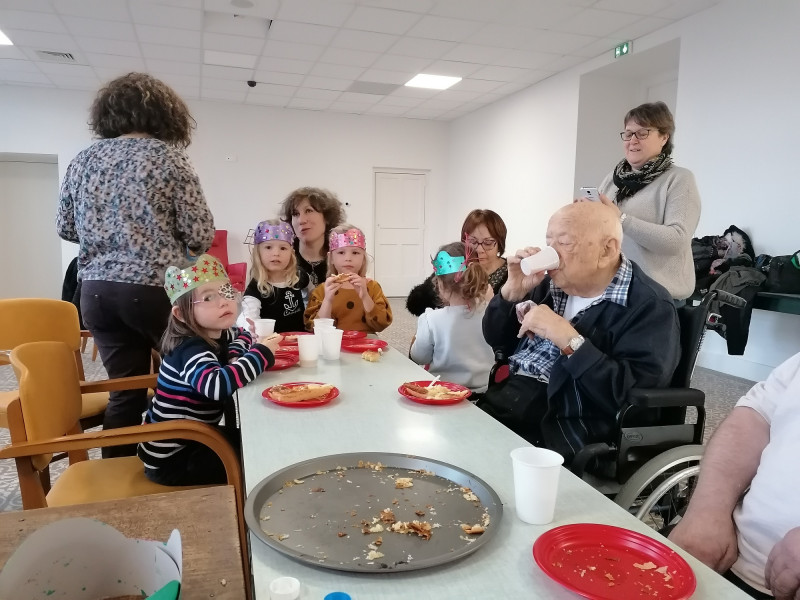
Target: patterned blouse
<point x="134" y="205"/>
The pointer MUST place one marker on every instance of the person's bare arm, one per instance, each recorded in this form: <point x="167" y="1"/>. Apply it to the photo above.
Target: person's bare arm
<point x="729" y="465"/>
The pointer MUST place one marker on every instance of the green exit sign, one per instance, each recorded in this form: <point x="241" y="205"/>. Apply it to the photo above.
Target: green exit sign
<point x="623" y="49"/>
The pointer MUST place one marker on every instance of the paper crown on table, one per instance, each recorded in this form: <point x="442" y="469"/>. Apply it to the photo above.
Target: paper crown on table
<point x="352" y="237"/>
<point x="204" y="270"/>
<point x="266" y="232"/>
<point x="444" y="264"/>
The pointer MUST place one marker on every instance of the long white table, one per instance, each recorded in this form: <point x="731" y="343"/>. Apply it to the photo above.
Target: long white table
<point x="370" y="416"/>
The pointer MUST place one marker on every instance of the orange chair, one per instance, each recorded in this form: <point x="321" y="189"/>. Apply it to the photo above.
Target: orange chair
<point x="44" y="419"/>
<point x="25" y="320"/>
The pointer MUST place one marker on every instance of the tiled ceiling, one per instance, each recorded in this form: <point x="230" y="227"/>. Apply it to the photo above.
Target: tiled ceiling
<point x="348" y="56"/>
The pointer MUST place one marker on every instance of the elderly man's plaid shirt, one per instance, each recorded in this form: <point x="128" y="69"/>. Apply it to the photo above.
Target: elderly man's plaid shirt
<point x="536" y="357"/>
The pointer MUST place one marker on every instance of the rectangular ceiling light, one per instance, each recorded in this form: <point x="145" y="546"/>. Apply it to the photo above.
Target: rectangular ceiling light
<point x="4" y="41"/>
<point x="433" y="82"/>
<point x="229" y="59"/>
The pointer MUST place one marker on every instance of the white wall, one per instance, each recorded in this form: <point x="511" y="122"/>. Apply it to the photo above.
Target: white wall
<point x="517" y="157"/>
<point x="28" y="198"/>
<point x="279" y="150"/>
<point x="275" y="151"/>
<point x="736" y="99"/>
<point x="599" y="124"/>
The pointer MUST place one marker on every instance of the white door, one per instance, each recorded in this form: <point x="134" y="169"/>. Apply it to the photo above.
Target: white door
<point x="28" y="239"/>
<point x="399" y="231"/>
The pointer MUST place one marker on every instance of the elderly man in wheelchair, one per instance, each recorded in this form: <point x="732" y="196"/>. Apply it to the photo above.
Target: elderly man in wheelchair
<point x="591" y="330"/>
<point x="594" y="376"/>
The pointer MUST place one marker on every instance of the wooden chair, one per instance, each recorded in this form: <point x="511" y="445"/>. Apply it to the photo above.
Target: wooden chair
<point x="25" y="320"/>
<point x="44" y="419"/>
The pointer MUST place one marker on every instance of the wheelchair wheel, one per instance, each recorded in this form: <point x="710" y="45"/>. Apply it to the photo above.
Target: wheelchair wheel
<point x="659" y="491"/>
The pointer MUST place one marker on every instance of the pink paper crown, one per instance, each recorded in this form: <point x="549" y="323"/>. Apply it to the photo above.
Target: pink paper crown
<point x="352" y="237"/>
<point x="266" y="232"/>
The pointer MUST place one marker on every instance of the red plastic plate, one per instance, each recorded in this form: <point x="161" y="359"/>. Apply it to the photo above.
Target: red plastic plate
<point x="306" y="404"/>
<point x="284" y="361"/>
<point x="600" y="562"/>
<point x="349" y="334"/>
<point x="363" y="345"/>
<point x="293" y="341"/>
<point x="450" y="386"/>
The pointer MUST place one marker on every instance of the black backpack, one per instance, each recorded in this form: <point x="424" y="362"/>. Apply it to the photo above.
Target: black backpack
<point x="783" y="272"/>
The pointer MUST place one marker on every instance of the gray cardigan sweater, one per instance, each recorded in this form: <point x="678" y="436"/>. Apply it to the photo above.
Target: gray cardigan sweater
<point x="662" y="218"/>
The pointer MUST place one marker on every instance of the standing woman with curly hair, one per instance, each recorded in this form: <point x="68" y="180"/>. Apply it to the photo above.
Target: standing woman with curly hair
<point x="133" y="203"/>
<point x="313" y="213"/>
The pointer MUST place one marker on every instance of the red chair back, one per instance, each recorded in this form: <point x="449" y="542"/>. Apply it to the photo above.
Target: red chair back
<point x="219" y="247"/>
<point x="237" y="273"/>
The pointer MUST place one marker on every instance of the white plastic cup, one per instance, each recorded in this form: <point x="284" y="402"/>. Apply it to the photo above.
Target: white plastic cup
<point x="308" y="346"/>
<point x="331" y="342"/>
<point x="536" y="473"/>
<point x="320" y="323"/>
<point x="546" y="258"/>
<point x="264" y="327"/>
<point x="284" y="588"/>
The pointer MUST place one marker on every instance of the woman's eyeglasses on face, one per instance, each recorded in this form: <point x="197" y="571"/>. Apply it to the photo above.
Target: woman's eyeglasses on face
<point x="487" y="244"/>
<point x="640" y="134"/>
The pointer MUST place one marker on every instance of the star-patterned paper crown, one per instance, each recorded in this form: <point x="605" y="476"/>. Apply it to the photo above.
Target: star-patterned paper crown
<point x="444" y="264"/>
<point x="352" y="237"/>
<point x="205" y="269"/>
<point x="266" y="232"/>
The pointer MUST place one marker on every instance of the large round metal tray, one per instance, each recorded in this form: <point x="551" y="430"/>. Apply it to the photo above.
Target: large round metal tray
<point x="325" y="528"/>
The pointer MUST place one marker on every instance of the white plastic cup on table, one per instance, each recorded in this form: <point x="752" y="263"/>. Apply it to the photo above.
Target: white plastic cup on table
<point x="331" y="342"/>
<point x="308" y="346"/>
<point x="536" y="472"/>
<point x="264" y="327"/>
<point x="319" y="323"/>
<point x="284" y="588"/>
<point x="546" y="258"/>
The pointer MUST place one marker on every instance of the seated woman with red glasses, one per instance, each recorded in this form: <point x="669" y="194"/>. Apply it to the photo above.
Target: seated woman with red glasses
<point x="485" y="232"/>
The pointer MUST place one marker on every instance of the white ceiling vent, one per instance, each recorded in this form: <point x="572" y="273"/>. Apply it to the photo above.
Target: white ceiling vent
<point x="372" y="87"/>
<point x="59" y="57"/>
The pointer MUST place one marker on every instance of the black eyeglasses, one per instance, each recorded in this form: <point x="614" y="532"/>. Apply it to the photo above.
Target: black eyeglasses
<point x="640" y="135"/>
<point x="487" y="244"/>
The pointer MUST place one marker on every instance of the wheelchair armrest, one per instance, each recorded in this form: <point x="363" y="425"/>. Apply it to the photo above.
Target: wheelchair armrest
<point x="666" y="397"/>
<point x="585" y="454"/>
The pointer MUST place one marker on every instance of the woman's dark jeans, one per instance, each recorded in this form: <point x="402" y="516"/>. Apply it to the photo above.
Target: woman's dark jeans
<point x="127" y="321"/>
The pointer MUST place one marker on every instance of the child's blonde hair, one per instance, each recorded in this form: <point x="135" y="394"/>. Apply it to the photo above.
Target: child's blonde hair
<point x="179" y="330"/>
<point x="343" y="229"/>
<point x="470" y="284"/>
<point x="259" y="272"/>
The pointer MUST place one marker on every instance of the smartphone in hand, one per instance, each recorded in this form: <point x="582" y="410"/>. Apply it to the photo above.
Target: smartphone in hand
<point x="590" y="193"/>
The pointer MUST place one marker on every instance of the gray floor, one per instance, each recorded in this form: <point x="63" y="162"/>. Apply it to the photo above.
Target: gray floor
<point x="722" y="392"/>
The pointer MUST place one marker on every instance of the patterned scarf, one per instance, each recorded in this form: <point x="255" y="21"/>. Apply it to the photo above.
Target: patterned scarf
<point x="629" y="182"/>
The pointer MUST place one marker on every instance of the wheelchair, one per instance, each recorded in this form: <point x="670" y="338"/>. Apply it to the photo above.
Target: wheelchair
<point x="650" y="466"/>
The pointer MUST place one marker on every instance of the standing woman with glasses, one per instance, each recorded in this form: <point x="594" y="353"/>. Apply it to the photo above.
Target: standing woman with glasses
<point x="133" y="203"/>
<point x="657" y="202"/>
<point x="485" y="232"/>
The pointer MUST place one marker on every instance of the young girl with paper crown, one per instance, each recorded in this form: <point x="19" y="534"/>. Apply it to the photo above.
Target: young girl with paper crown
<point x="205" y="361"/>
<point x="450" y="339"/>
<point x="353" y="301"/>
<point x="275" y="290"/>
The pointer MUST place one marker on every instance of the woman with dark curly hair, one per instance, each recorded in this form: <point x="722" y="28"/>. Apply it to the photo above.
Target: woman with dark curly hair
<point x="313" y="212"/>
<point x="134" y="204"/>
<point x="484" y="231"/>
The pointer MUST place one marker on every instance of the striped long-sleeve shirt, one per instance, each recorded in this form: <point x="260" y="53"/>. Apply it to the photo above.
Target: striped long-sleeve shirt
<point x="195" y="382"/>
